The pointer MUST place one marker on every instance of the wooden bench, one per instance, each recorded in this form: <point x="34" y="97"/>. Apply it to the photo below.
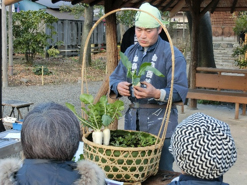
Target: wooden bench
<point x="16" y="104"/>
<point x="224" y="85"/>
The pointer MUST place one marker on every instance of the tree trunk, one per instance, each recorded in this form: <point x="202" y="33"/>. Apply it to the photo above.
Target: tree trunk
<point x="87" y="25"/>
<point x="103" y="89"/>
<point x="4" y="48"/>
<point x="2" y="128"/>
<point x="111" y="46"/>
<point x="205" y="52"/>
<point x="202" y="54"/>
<point x="194" y="53"/>
<point x="10" y="42"/>
<point x="29" y="56"/>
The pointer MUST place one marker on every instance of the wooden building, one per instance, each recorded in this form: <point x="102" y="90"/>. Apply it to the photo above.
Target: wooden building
<point x="69" y="31"/>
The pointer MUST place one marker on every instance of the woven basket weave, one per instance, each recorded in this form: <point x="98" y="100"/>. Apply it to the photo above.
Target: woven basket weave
<point x="128" y="164"/>
<point x="124" y="164"/>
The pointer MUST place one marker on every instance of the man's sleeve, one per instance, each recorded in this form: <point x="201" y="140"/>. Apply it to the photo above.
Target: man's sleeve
<point x="118" y="75"/>
<point x="180" y="86"/>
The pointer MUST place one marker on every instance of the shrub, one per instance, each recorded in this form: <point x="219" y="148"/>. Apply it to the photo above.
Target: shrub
<point x="38" y="70"/>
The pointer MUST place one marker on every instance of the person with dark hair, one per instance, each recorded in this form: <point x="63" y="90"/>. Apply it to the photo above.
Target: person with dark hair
<point x="50" y="137"/>
<point x="149" y="101"/>
<point x="129" y="38"/>
<point x="203" y="149"/>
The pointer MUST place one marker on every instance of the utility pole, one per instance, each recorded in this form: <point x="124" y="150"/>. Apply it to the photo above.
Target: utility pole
<point x="2" y="128"/>
<point x="4" y="48"/>
<point x="10" y="36"/>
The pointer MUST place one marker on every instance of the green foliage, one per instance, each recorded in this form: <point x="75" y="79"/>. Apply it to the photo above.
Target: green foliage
<point x="239" y="53"/>
<point x="99" y="114"/>
<point x="76" y="10"/>
<point x="29" y="32"/>
<point x="100" y="12"/>
<point x="53" y="52"/>
<point x="241" y="23"/>
<point x="135" y="77"/>
<point x="208" y="102"/>
<point x="123" y="138"/>
<point x="38" y="70"/>
<point x="126" y="17"/>
<point x="81" y="158"/>
<point x="99" y="64"/>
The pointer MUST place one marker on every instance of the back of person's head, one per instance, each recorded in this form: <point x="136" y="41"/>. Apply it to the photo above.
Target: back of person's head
<point x="203" y="146"/>
<point x="50" y="131"/>
<point x="144" y="20"/>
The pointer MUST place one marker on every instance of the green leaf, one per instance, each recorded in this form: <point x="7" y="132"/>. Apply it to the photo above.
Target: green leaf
<point x="129" y="73"/>
<point x="99" y="114"/>
<point x="146" y="66"/>
<point x="81" y="157"/>
<point x="136" y="81"/>
<point x="143" y="68"/>
<point x="125" y="60"/>
<point x="86" y="98"/>
<point x="106" y="120"/>
<point x="83" y="121"/>
<point x="71" y="107"/>
<point x="119" y="105"/>
<point x="155" y="71"/>
<point x="103" y="101"/>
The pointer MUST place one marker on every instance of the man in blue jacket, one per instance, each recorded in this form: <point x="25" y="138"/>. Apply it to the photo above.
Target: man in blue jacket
<point x="149" y="100"/>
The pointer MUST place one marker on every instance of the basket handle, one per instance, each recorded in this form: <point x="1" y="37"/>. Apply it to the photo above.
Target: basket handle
<point x="169" y="102"/>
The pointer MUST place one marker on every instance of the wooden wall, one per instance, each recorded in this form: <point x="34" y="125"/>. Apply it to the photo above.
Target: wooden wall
<point x="70" y="31"/>
<point x="222" y="26"/>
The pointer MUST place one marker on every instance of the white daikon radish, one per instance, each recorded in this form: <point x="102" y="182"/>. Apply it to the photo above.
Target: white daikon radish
<point x="106" y="136"/>
<point x="98" y="137"/>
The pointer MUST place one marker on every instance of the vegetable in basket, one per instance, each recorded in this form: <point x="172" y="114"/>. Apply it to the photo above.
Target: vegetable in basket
<point x="100" y="114"/>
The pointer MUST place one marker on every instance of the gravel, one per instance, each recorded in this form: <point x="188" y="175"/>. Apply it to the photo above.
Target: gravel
<point x="57" y="93"/>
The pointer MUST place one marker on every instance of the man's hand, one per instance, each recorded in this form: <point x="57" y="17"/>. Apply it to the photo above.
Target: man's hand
<point x="123" y="88"/>
<point x="149" y="92"/>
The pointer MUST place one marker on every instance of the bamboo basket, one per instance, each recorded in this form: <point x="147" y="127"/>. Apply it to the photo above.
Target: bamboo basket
<point x="128" y="164"/>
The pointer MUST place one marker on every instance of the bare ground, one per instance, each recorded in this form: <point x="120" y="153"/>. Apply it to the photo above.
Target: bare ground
<point x="62" y="70"/>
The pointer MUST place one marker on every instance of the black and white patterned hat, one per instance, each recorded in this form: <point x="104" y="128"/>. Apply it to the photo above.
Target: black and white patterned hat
<point x="203" y="146"/>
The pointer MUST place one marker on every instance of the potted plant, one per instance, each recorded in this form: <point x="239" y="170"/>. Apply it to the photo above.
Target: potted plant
<point x="100" y="115"/>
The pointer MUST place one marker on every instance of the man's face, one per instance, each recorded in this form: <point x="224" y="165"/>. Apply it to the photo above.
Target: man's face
<point x="147" y="36"/>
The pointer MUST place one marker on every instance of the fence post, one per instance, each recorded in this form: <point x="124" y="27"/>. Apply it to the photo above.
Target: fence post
<point x="42" y="75"/>
<point x="245" y="42"/>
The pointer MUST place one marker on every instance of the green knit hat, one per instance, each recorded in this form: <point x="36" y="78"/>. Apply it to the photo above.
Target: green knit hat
<point x="143" y="20"/>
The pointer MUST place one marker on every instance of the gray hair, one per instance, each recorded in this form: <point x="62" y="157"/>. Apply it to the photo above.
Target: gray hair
<point x="50" y="131"/>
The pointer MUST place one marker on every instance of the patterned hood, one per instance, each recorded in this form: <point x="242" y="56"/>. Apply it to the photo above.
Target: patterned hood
<point x="203" y="146"/>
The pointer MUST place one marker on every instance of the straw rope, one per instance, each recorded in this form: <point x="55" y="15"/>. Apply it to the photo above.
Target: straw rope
<point x="125" y="166"/>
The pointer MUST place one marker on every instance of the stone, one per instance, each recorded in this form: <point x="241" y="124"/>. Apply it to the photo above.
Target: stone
<point x="24" y="80"/>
